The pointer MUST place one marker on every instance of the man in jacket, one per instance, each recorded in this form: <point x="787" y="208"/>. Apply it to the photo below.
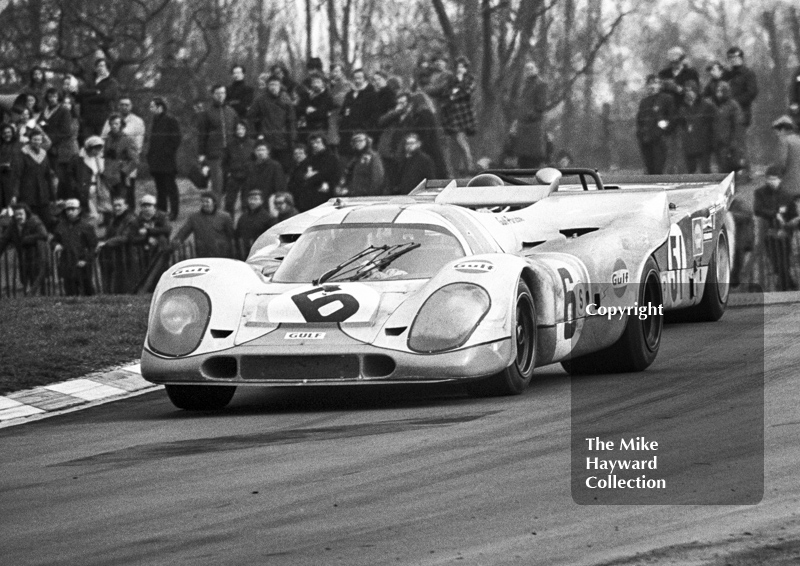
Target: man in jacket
<point x="240" y="94"/>
<point x="56" y="122"/>
<point x="314" y="107"/>
<point x="744" y="89"/>
<point x="236" y="163"/>
<point x="216" y="126"/>
<point x="98" y="100"/>
<point x="264" y="174"/>
<point x="272" y="117"/>
<point x="212" y="228"/>
<point x="35" y="179"/>
<point x="528" y="129"/>
<point x="776" y="219"/>
<point x="696" y="118"/>
<point x="119" y="260"/>
<point x="29" y="237"/>
<point x="165" y="138"/>
<point x="75" y="242"/>
<point x="321" y="175"/>
<point x="653" y="120"/>
<point x="415" y="166"/>
<point x="788" y="154"/>
<point x="254" y="221"/>
<point x="359" y="111"/>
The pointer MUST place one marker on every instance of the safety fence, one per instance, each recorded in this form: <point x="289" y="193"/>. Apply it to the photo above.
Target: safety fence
<point x="125" y="269"/>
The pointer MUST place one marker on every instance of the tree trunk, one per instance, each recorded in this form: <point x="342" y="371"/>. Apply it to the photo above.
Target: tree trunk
<point x="568" y="115"/>
<point x="309" y="28"/>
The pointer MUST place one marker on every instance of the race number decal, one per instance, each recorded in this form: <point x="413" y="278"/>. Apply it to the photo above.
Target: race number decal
<point x="676" y="249"/>
<point x="347" y="302"/>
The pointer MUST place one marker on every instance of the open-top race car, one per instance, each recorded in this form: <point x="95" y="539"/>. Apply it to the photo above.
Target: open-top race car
<point x="476" y="281"/>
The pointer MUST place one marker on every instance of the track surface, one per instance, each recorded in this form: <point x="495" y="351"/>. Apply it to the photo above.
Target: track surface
<point x="373" y="476"/>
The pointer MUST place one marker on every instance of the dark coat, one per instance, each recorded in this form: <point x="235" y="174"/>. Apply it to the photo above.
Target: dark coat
<point x="35" y="180"/>
<point x="251" y="224"/>
<point x="79" y="240"/>
<point x="729" y="126"/>
<point x="326" y="169"/>
<point x="744" y="88"/>
<point x="213" y="234"/>
<point x="413" y="169"/>
<point x="365" y="175"/>
<point x="697" y="125"/>
<point x="767" y="202"/>
<point x="240" y="97"/>
<point x="157" y="231"/>
<point x="359" y="112"/>
<point x="457" y="112"/>
<point x="10" y="162"/>
<point x="98" y="102"/>
<point x="266" y="176"/>
<point x="297" y="178"/>
<point x="238" y="158"/>
<point x="216" y="127"/>
<point x="58" y="127"/>
<point x="673" y="84"/>
<point x="121" y="158"/>
<point x="652" y="109"/>
<point x="121" y="230"/>
<point x="274" y="118"/>
<point x="165" y="138"/>
<point x="30" y="242"/>
<point x="531" y="136"/>
<point x="315" y="120"/>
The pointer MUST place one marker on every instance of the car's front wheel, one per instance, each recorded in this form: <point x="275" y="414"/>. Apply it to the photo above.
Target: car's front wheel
<point x="517" y="376"/>
<point x="200" y="397"/>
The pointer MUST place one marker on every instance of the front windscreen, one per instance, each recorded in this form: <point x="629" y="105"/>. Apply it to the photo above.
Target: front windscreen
<point x="368" y="252"/>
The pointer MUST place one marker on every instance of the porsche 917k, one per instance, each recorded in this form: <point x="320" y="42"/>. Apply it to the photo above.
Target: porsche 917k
<point x="476" y="282"/>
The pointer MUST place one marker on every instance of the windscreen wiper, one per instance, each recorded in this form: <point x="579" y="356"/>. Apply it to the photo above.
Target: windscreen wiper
<point x="346" y="263"/>
<point x="383" y="259"/>
<point x="383" y="256"/>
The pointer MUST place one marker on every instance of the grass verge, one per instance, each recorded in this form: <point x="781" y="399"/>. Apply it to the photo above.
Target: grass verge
<point x="45" y="340"/>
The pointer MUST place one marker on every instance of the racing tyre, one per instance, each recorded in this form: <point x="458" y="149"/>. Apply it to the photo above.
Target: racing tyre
<point x="717" y="288"/>
<point x="200" y="397"/>
<point x="638" y="346"/>
<point x="516" y="377"/>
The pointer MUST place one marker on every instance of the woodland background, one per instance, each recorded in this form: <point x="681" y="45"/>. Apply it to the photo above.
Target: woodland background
<point x="593" y="54"/>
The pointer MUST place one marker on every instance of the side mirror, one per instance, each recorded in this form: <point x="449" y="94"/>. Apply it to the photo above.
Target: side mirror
<point x="548" y="175"/>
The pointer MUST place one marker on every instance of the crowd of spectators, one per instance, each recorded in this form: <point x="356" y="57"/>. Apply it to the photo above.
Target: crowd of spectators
<point x="71" y="154"/>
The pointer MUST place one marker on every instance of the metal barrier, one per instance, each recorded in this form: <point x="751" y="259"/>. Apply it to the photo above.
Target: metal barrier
<point x="118" y="270"/>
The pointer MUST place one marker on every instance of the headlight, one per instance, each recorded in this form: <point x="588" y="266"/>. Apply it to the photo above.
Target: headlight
<point x="448" y="317"/>
<point x="179" y="320"/>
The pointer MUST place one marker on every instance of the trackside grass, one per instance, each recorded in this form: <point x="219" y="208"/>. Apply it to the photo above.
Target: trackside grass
<point x="45" y="340"/>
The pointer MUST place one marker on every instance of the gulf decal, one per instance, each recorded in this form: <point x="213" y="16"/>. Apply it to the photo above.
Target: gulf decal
<point x="620" y="278"/>
<point x="304" y="336"/>
<point x="697" y="236"/>
<point x="344" y="302"/>
<point x="676" y="249"/>
<point x="191" y="271"/>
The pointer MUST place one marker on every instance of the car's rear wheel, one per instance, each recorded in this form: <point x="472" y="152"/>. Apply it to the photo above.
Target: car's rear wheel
<point x="517" y="376"/>
<point x="638" y="346"/>
<point x="200" y="397"/>
<point x="717" y="288"/>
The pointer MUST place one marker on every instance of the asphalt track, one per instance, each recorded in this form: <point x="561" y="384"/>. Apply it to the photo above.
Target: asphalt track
<point x="373" y="476"/>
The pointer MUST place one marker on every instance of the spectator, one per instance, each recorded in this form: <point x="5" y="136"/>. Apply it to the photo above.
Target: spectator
<point x="715" y="71"/>
<point x="10" y="158"/>
<point x="458" y="116"/>
<point x="437" y="78"/>
<point x="165" y="139"/>
<point x="776" y="219"/>
<point x="32" y="103"/>
<point x="794" y="96"/>
<point x="87" y="181"/>
<point x="98" y="100"/>
<point x="24" y="126"/>
<point x="254" y="221"/>
<point x="272" y="116"/>
<point x="299" y="169"/>
<point x="321" y="176"/>
<point x="212" y="228"/>
<point x="35" y="179"/>
<point x="121" y="161"/>
<point x="288" y="85"/>
<point x="744" y="89"/>
<point x="281" y="207"/>
<point x="364" y="174"/>
<point x="152" y="229"/>
<point x="742" y="269"/>
<point x="118" y="260"/>
<point x="653" y="121"/>
<point x="728" y="130"/>
<point x="384" y="102"/>
<point x="415" y="166"/>
<point x="528" y="128"/>
<point x="264" y="174"/>
<point x="75" y="242"/>
<point x="236" y="164"/>
<point x="55" y="121"/>
<point x="696" y="117"/>
<point x="788" y="154"/>
<point x="37" y="85"/>
<point x="314" y="107"/>
<point x="359" y="110"/>
<point x="339" y="86"/>
<point x="216" y="127"/>
<point x="132" y="125"/>
<point x="69" y="87"/>
<point x="675" y="77"/>
<point x="28" y="235"/>
<point x="240" y="94"/>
